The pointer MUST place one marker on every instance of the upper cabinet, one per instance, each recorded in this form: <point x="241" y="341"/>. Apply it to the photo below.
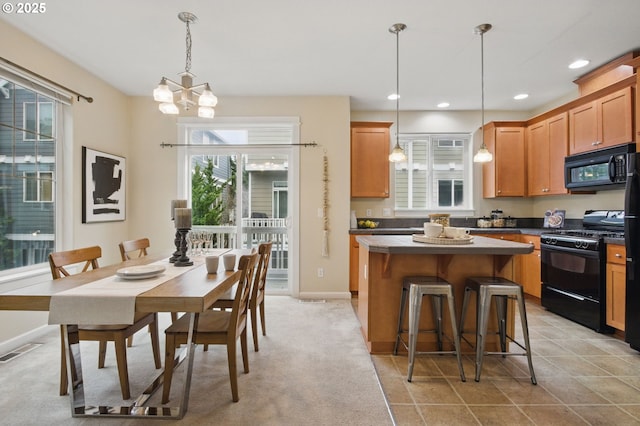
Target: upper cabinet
<point x="547" y="145"/>
<point x="505" y="175"/>
<point x="601" y="123"/>
<point x="370" y="146"/>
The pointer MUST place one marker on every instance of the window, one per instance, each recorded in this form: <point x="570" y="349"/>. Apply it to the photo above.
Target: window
<point x="437" y="174"/>
<point x="38" y="187"/>
<point x="28" y="170"/>
<point x="38" y="121"/>
<point x="280" y="194"/>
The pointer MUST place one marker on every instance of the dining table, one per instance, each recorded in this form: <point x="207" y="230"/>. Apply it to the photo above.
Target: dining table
<point x="190" y="290"/>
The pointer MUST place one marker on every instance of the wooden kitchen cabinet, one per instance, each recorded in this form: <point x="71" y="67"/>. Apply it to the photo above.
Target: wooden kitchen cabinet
<point x="501" y="236"/>
<point x="505" y="175"/>
<point x="601" y="123"/>
<point x="529" y="273"/>
<point x="616" y="286"/>
<point x="547" y="145"/>
<point x="354" y="248"/>
<point x="370" y="146"/>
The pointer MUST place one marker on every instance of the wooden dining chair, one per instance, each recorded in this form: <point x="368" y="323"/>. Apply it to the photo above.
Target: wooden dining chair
<point x="256" y="300"/>
<point x="102" y="333"/>
<point x="215" y="327"/>
<point x="134" y="248"/>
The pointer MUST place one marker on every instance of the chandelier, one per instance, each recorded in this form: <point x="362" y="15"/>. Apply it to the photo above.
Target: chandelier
<point x="185" y="93"/>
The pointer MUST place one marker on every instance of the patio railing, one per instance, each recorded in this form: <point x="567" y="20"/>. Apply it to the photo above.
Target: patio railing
<point x="255" y="230"/>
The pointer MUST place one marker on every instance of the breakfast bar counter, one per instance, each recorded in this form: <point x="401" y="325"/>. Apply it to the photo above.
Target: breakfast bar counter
<point x="384" y="260"/>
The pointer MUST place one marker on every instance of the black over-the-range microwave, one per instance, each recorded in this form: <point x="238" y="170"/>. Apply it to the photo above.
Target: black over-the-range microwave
<point x="598" y="170"/>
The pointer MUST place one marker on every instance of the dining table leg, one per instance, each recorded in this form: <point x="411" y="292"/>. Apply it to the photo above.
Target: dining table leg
<point x="79" y="407"/>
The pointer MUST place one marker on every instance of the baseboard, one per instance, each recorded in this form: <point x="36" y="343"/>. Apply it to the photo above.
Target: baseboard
<point x="32" y="336"/>
<point x="326" y="295"/>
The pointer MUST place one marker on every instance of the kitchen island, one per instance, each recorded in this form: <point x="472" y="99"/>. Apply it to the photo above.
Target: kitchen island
<point x="384" y="260"/>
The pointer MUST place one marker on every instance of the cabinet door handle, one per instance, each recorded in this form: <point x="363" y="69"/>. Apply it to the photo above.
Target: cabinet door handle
<point x="618" y="255"/>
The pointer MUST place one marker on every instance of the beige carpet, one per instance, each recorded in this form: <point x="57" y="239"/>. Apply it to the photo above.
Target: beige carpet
<point x="312" y="368"/>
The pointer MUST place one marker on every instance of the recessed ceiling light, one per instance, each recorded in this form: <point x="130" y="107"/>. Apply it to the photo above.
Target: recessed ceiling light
<point x="579" y="64"/>
<point x="443" y="105"/>
<point x="393" y="97"/>
<point x="521" y="96"/>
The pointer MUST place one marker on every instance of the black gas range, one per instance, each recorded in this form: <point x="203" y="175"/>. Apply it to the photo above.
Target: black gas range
<point x="573" y="264"/>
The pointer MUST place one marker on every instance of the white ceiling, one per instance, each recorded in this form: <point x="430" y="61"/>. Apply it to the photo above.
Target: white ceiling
<point x="343" y="47"/>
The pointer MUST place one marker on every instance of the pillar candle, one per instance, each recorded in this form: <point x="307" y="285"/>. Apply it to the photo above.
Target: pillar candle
<point x="183" y="218"/>
<point x="177" y="204"/>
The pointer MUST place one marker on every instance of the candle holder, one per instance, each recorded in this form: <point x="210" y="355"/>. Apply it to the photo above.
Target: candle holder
<point x="176" y="254"/>
<point x="183" y="260"/>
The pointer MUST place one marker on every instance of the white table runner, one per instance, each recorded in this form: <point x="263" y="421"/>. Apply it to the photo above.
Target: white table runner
<point x="108" y="301"/>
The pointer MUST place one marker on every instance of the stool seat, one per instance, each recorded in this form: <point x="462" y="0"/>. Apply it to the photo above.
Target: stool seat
<point x="501" y="289"/>
<point x="415" y="288"/>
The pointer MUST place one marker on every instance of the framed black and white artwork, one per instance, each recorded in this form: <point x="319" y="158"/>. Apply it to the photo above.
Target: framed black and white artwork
<point x="103" y="186"/>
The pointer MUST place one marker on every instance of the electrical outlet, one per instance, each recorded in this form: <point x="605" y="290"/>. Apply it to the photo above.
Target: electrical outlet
<point x="386" y="212"/>
<point x="320" y="212"/>
<point x="369" y="213"/>
<point x="320" y="272"/>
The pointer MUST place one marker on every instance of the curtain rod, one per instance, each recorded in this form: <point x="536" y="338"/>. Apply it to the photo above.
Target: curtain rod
<point x="45" y="79"/>
<point x="249" y="145"/>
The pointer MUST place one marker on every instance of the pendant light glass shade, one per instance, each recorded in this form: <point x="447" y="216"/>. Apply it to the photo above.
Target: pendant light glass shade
<point x="168" y="108"/>
<point x="207" y="98"/>
<point x="483" y="155"/>
<point x="162" y="93"/>
<point x="397" y="155"/>
<point x="205" y="112"/>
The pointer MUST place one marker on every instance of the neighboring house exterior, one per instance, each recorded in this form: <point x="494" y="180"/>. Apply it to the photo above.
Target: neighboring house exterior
<point x="27" y="176"/>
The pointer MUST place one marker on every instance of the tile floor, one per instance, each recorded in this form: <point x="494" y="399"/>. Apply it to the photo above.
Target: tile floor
<point x="583" y="378"/>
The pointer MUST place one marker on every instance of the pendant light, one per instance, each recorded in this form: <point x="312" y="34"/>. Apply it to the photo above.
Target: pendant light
<point x="483" y="155"/>
<point x="397" y="153"/>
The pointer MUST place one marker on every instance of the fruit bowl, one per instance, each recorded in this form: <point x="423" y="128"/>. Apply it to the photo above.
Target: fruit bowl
<point x="367" y="224"/>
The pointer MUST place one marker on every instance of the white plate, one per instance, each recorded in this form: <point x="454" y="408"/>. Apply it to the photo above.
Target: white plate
<point x="140" y="272"/>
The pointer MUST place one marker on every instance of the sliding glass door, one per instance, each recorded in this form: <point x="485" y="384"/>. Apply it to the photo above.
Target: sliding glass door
<point x="238" y="187"/>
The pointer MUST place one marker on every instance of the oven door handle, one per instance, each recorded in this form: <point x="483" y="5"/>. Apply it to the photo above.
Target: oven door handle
<point x="573" y="296"/>
<point x="549" y="248"/>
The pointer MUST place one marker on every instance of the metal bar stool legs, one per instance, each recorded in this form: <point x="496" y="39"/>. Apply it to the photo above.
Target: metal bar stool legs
<point x="500" y="290"/>
<point x="415" y="288"/>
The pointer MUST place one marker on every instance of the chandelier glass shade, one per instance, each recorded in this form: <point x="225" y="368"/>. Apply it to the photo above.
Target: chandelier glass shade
<point x="483" y="155"/>
<point x="397" y="153"/>
<point x="169" y="93"/>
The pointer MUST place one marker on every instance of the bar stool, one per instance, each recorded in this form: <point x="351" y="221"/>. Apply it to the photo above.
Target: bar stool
<point x="414" y="288"/>
<point x="501" y="289"/>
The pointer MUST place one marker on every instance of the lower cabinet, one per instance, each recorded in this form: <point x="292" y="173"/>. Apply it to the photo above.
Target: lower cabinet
<point x="616" y="286"/>
<point x="354" y="248"/>
<point x="530" y="277"/>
